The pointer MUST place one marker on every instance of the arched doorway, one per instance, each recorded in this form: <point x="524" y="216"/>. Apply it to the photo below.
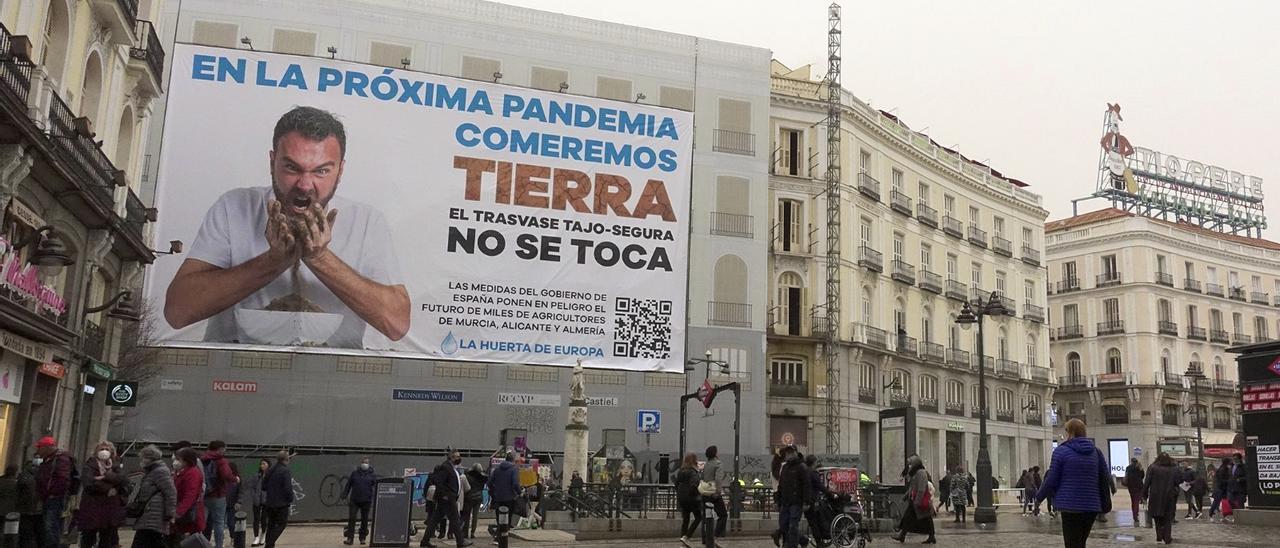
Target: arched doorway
<point x="53" y="54"/>
<point x="91" y="92"/>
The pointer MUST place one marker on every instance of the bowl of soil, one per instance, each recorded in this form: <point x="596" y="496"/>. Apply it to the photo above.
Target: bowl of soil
<point x="287" y="321"/>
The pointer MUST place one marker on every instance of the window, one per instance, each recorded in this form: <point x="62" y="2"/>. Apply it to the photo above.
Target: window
<point x="1071" y="315"/>
<point x="997" y="226"/>
<point x="974" y="217"/>
<point x="1031" y="350"/>
<point x="1111" y="310"/>
<point x="1237" y="322"/>
<point x="1073" y="366"/>
<point x="955" y="394"/>
<point x="209" y="33"/>
<point x="1075" y="408"/>
<point x="1192" y="316"/>
<point x="675" y="98"/>
<point x="1191" y="270"/>
<point x="864" y="161"/>
<point x="735" y="357"/>
<point x="1217" y="368"/>
<point x="389" y="55"/>
<point x="1029" y="291"/>
<point x="547" y="79"/>
<point x="1004" y="401"/>
<point x="980" y="398"/>
<point x="1114" y="364"/>
<point x="1027" y="237"/>
<point x="479" y="68"/>
<point x="1221" y="417"/>
<point x="1002" y="344"/>
<point x="790" y="302"/>
<point x="899" y="246"/>
<point x="953" y="335"/>
<point x="1115" y="414"/>
<point x="952" y="267"/>
<point x="789" y="222"/>
<point x="620" y="90"/>
<point x="1000" y="283"/>
<point x="928" y="388"/>
<point x="293" y="41"/>
<point x="1233" y="279"/>
<point x="1256" y="283"/>
<point x="786" y="371"/>
<point x="926" y="256"/>
<point x="1109" y="268"/>
<point x="1069" y="270"/>
<point x="1215" y="319"/>
<point x="1161" y="266"/>
<point x="1211" y="274"/>
<point x="903" y="379"/>
<point x="899" y="318"/>
<point x="1164" y="311"/>
<point x="923" y="196"/>
<point x="865" y="234"/>
<point x="897" y="180"/>
<point x="1172" y="412"/>
<point x="949" y="205"/>
<point x="869" y="379"/>
<point x="1260" y="329"/>
<point x="1165" y="362"/>
<point x="868" y="312"/>
<point x="975" y="275"/>
<point x="789" y="151"/>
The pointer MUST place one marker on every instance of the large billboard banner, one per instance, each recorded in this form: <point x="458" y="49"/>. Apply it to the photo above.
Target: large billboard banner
<point x="337" y="207"/>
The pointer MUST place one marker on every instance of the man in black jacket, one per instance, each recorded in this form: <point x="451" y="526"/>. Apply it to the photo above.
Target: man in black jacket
<point x="795" y="494"/>
<point x="448" y="489"/>
<point x="358" y="493"/>
<point x="277" y="485"/>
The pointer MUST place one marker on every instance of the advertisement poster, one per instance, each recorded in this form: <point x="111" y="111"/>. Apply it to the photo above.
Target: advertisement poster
<point x="1118" y="456"/>
<point x="338" y="207"/>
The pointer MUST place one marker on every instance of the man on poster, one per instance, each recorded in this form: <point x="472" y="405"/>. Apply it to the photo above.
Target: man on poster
<point x="285" y="248"/>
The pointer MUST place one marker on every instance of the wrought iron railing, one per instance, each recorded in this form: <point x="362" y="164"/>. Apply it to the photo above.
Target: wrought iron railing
<point x="1002" y="246"/>
<point x="952" y="226"/>
<point x="82" y="155"/>
<point x="15" y="74"/>
<point x="1110" y="327"/>
<point x="955" y="408"/>
<point x="870" y="259"/>
<point x="1108" y="279"/>
<point x="903" y="271"/>
<point x="1166" y="327"/>
<point x="1190" y="284"/>
<point x="135" y="210"/>
<point x="905" y="344"/>
<point x="869" y="186"/>
<point x="932" y="352"/>
<point x="957" y="290"/>
<point x="930" y="281"/>
<point x="1219" y="336"/>
<point x="1033" y="312"/>
<point x="1071" y="332"/>
<point x="1241" y="338"/>
<point x="1214" y="289"/>
<point x="149" y="48"/>
<point x="789" y="389"/>
<point x="1164" y="278"/>
<point x="734" y="142"/>
<point x="1030" y="255"/>
<point x="927" y="215"/>
<point x="1259" y="297"/>
<point x="732" y="224"/>
<point x="977" y="236"/>
<point x="1072" y="380"/>
<point x="900" y="202"/>
<point x="958" y="358"/>
<point x="1069" y="284"/>
<point x="1196" y="333"/>
<point x="928" y="404"/>
<point x="728" y="314"/>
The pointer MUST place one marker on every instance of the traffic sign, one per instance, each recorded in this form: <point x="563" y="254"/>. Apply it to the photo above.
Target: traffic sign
<point x="648" y="421"/>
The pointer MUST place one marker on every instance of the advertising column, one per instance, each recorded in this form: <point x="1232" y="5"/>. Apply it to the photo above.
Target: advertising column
<point x="1259" y="369"/>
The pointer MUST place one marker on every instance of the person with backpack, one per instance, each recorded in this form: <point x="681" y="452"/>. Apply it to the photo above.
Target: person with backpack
<point x="687" y="497"/>
<point x="56" y="479"/>
<point x="101" y="510"/>
<point x="217" y="477"/>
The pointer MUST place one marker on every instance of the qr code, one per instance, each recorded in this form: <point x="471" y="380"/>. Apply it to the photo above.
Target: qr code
<point x="642" y="328"/>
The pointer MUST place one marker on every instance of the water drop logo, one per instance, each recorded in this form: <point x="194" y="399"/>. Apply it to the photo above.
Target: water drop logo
<point x="449" y="345"/>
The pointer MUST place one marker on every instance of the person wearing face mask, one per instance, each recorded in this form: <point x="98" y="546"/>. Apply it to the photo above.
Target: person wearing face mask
<point x="358" y="492"/>
<point x="102" y="501"/>
<point x="53" y="484"/>
<point x="449" y="489"/>
<point x="254" y="496"/>
<point x="156" y="501"/>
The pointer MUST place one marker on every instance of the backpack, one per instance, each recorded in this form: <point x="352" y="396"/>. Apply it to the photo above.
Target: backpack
<point x="210" y="469"/>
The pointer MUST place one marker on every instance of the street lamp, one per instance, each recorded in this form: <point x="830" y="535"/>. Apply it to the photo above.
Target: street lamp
<point x="1195" y="373"/>
<point x="986" y="511"/>
<point x="692" y="365"/>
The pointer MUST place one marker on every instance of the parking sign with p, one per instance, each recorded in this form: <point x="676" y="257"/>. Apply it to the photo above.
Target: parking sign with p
<point x="648" y="421"/>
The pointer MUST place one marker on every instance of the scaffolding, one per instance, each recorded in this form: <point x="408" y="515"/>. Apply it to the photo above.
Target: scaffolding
<point x="831" y="354"/>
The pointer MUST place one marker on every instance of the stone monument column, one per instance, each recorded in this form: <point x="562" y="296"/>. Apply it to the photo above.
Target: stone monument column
<point x="576" y="432"/>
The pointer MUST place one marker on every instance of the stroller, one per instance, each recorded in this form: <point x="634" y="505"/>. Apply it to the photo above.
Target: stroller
<point x="840" y="511"/>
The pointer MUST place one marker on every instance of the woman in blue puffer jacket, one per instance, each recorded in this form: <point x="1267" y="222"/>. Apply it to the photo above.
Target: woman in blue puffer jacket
<point x="1076" y="475"/>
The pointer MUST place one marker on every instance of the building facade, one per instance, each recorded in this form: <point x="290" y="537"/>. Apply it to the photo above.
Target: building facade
<point x="1135" y="303"/>
<point x="923" y="231"/>
<point x="312" y="400"/>
<point x="79" y="82"/>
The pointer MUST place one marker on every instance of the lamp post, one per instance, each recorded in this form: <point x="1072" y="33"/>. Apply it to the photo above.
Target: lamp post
<point x="692" y="365"/>
<point x="986" y="511"/>
<point x="1196" y="374"/>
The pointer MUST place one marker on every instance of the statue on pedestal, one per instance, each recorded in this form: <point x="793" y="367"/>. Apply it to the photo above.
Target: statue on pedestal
<point x="576" y="431"/>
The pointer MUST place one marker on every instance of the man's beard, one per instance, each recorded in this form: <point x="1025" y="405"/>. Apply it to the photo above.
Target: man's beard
<point x="289" y="199"/>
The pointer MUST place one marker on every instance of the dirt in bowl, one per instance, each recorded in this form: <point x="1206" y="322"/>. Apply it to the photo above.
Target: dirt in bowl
<point x="293" y="302"/>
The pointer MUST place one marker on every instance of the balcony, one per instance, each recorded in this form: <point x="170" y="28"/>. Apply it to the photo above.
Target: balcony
<point x="928" y="404"/>
<point x="1214" y="289"/>
<point x="870" y="336"/>
<point x="1034" y="418"/>
<point x="1110" y="327"/>
<point x="957" y="290"/>
<point x="975" y="413"/>
<point x="1258" y="297"/>
<point x="866" y="394"/>
<point x="906" y="345"/>
<point x="15" y="74"/>
<point x="149" y="56"/>
<point x="869" y="186"/>
<point x="120" y="17"/>
<point x="1275" y="300"/>
<point x="899" y="398"/>
<point x="1164" y="278"/>
<point x="979" y="297"/>
<point x="789" y="389"/>
<point x="1069" y="284"/>
<point x="932" y="352"/>
<point x="1030" y="255"/>
<point x="1010" y="305"/>
<point x="1236" y="294"/>
<point x="952" y="226"/>
<point x="988" y="363"/>
<point x="1008" y="368"/>
<point x="1241" y="338"/>
<point x="931" y="282"/>
<point x="728" y="314"/>
<point x="1226" y="385"/>
<point x="1005" y="415"/>
<point x="1191" y="285"/>
<point x="1219" y="336"/>
<point x="86" y="160"/>
<point x="734" y="142"/>
<point x="955" y="408"/>
<point x="95" y="338"/>
<point x="1070" y="332"/>
<point x="1039" y="374"/>
<point x="732" y="224"/>
<point x="1196" y="333"/>
<point x="927" y="215"/>
<point x="1033" y="312"/>
<point x="903" y="272"/>
<point x="1002" y="246"/>
<point x="958" y="358"/>
<point x="1171" y="379"/>
<point x="1166" y="327"/>
<point x="1170" y="417"/>
<point x="1108" y="279"/>
<point x="900" y="202"/>
<point x="978" y="237"/>
<point x="870" y="259"/>
<point x="1222" y="424"/>
<point x="1072" y="380"/>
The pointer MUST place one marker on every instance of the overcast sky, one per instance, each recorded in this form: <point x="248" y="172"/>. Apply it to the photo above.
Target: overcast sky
<point x="1024" y="85"/>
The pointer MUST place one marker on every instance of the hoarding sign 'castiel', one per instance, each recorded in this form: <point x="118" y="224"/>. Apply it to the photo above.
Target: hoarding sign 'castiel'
<point x="370" y="210"/>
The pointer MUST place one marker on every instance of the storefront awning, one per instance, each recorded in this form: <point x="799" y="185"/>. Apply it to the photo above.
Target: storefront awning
<point x="1219" y="438"/>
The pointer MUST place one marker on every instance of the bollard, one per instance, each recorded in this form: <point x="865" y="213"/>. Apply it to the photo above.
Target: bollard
<point x="237" y="531"/>
<point x="504" y="524"/>
<point x="11" y="522"/>
<point x="708" y="523"/>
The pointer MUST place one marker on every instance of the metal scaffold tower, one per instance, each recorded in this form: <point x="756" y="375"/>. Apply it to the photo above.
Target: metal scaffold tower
<point x="831" y="347"/>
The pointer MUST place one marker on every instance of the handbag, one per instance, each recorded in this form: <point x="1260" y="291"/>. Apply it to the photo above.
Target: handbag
<point x="1226" y="507"/>
<point x="135" y="510"/>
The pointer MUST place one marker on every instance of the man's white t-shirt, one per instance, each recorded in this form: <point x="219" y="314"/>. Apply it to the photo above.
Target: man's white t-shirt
<point x="234" y="231"/>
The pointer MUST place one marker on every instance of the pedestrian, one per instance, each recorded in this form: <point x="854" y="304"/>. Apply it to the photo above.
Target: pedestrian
<point x="104" y="491"/>
<point x="1221" y="482"/>
<point x="216" y="470"/>
<point x="448" y="492"/>
<point x="819" y="493"/>
<point x="1133" y="481"/>
<point x="9" y="490"/>
<point x="687" y="497"/>
<point x="233" y="505"/>
<point x="1237" y="488"/>
<point x="1198" y="489"/>
<point x="794" y="493"/>
<point x="1161" y="486"/>
<point x="358" y="492"/>
<point x="1078" y="479"/>
<point x="476" y="479"/>
<point x="781" y="457"/>
<point x="156" y="502"/>
<point x="504" y="489"/>
<point x="53" y="485"/>
<point x="1188" y="476"/>
<point x="31" y="522"/>
<point x="918" y="516"/>
<point x="189" y="483"/>
<point x="957" y="491"/>
<point x="711" y="474"/>
<point x="254" y="496"/>
<point x="944" y="485"/>
<point x="1036" y="482"/>
<point x="277" y="497"/>
<point x="576" y="485"/>
<point x="1028" y="492"/>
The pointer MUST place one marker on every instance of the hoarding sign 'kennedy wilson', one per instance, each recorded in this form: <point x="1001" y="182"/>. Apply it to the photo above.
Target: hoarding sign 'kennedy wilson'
<point x="341" y="207"/>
